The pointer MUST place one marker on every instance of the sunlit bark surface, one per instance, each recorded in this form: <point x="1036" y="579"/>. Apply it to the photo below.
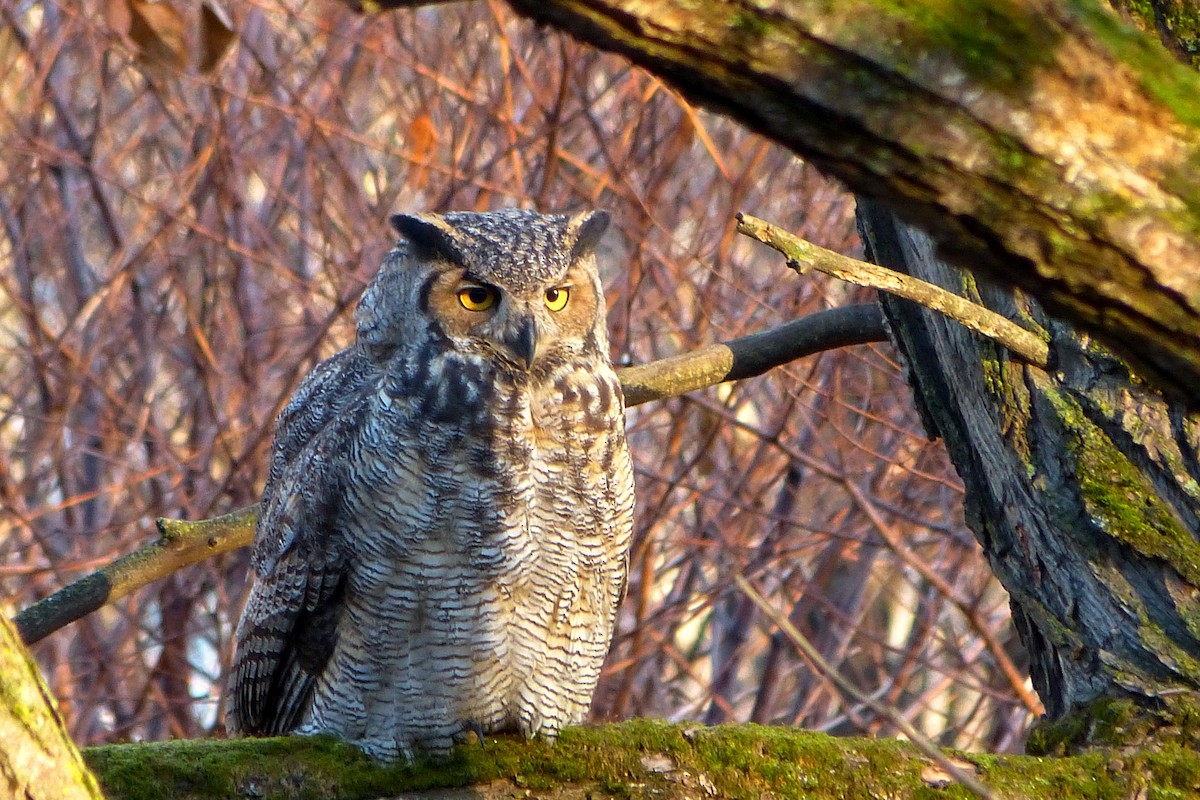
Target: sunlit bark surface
<point x="37" y="759"/>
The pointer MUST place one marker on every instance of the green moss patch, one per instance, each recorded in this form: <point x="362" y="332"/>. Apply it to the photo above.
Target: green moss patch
<point x="632" y="759"/>
<point x="1163" y="78"/>
<point x="1119" y="498"/>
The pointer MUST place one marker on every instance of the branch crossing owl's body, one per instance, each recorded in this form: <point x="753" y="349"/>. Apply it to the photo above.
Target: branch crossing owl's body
<point x="445" y="528"/>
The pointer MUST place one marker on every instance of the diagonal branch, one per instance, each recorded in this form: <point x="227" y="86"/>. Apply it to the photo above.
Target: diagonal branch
<point x="802" y="256"/>
<point x="750" y="356"/>
<point x="180" y="544"/>
<point x="187" y="542"/>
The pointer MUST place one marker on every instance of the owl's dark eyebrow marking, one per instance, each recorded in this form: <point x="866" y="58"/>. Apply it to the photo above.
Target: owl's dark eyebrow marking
<point x="471" y="277"/>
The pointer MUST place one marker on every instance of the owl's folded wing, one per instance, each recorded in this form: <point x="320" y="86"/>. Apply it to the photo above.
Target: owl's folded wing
<point x="289" y="626"/>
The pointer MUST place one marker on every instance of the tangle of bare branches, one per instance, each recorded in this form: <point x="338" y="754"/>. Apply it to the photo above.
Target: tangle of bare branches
<point x="181" y="245"/>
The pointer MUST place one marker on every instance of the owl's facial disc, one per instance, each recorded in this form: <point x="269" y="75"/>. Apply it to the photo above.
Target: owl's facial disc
<point x="528" y="328"/>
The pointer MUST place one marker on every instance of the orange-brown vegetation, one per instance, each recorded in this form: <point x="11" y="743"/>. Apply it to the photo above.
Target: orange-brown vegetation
<point x="180" y="245"/>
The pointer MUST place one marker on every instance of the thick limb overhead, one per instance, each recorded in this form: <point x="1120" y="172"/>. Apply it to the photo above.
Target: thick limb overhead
<point x="1040" y="141"/>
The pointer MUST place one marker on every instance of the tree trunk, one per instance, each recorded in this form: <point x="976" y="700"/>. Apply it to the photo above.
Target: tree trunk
<point x="1081" y="486"/>
<point x="1041" y="141"/>
<point x="37" y="759"/>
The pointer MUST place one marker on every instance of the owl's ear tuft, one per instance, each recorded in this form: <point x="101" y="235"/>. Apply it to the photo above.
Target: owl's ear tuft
<point x="432" y="233"/>
<point x="586" y="228"/>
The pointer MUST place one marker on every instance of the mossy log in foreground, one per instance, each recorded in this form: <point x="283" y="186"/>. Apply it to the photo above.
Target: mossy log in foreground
<point x="629" y="760"/>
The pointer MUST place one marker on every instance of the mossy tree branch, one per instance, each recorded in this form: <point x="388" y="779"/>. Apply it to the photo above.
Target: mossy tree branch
<point x="639" y="759"/>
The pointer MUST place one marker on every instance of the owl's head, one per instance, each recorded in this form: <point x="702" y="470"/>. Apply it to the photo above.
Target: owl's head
<point x="516" y="287"/>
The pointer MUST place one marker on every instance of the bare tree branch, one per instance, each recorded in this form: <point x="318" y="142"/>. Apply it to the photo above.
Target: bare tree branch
<point x="802" y="256"/>
<point x="187" y="542"/>
<point x="752" y="355"/>
<point x="180" y="544"/>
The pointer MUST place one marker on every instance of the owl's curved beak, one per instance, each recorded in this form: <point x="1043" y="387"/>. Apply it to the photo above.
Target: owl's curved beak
<point x="521" y="340"/>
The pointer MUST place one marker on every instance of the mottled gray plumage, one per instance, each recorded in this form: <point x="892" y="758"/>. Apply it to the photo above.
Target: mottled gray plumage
<point x="444" y="532"/>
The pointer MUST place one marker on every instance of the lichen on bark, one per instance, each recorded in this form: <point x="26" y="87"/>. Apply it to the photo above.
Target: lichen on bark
<point x="37" y="758"/>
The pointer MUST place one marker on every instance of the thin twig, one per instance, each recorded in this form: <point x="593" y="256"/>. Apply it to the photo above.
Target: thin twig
<point x="1016" y="679"/>
<point x="803" y="256"/>
<point x="180" y="544"/>
<point x="952" y="768"/>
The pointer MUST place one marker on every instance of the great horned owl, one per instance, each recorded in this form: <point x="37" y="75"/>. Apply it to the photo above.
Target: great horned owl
<point x="444" y="532"/>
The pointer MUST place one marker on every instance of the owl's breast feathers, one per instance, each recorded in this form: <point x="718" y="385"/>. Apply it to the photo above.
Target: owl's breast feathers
<point x="444" y="532"/>
<point x="372" y="460"/>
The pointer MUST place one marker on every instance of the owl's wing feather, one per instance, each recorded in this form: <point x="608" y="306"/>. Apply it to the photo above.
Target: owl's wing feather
<point x="288" y="627"/>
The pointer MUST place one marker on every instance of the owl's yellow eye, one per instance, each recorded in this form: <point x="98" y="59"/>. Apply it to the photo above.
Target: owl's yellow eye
<point x="477" y="298"/>
<point x="556" y="299"/>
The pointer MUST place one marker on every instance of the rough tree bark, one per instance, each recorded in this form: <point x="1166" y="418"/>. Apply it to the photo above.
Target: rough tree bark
<point x="1081" y="486"/>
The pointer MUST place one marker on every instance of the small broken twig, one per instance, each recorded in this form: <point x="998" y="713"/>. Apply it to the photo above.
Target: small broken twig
<point x="802" y="256"/>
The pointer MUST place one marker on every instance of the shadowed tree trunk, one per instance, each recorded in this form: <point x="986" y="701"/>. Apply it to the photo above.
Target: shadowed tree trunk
<point x="1081" y="486"/>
